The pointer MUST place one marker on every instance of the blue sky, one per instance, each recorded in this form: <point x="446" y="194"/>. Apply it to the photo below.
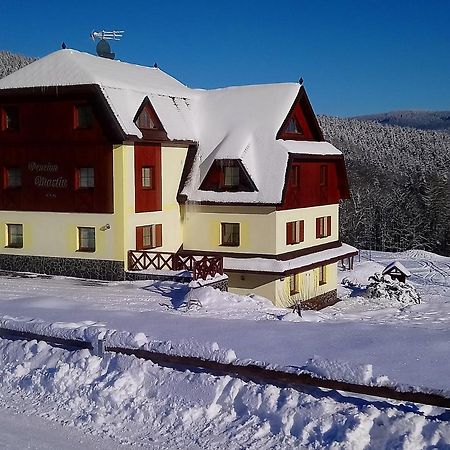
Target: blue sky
<point x="356" y="57"/>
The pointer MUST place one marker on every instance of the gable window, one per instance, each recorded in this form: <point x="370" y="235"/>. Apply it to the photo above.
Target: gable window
<point x="293" y="284"/>
<point x="230" y="234"/>
<point x="293" y="126"/>
<point x="147" y="177"/>
<point x="322" y="275"/>
<point x="13" y="177"/>
<point x="86" y="239"/>
<point x="295" y="176"/>
<point x="295" y="232"/>
<point x="323" y="227"/>
<point x="15" y="235"/>
<point x="85" y="177"/>
<point x="10" y="118"/>
<point x="148" y="236"/>
<point x="231" y="176"/>
<point x="145" y="120"/>
<point x="84" y="117"/>
<point x="228" y="175"/>
<point x="323" y="175"/>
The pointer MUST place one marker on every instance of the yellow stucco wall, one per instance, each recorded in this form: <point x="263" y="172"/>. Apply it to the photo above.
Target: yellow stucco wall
<point x="202" y="229"/>
<point x="249" y="283"/>
<point x="263" y="229"/>
<point x="309" y="287"/>
<point x="308" y="215"/>
<point x="56" y="234"/>
<point x="277" y="289"/>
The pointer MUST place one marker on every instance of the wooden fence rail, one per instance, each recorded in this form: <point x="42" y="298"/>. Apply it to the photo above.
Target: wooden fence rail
<point x="249" y="372"/>
<point x="200" y="266"/>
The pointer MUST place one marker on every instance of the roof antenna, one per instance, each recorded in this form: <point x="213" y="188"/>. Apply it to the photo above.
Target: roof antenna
<point x="300" y="81"/>
<point x="103" y="48"/>
<point x="63" y="45"/>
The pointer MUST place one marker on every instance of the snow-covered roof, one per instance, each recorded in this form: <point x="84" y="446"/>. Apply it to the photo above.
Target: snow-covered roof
<point x="229" y="123"/>
<point x="124" y="86"/>
<point x="285" y="266"/>
<point x="396" y="265"/>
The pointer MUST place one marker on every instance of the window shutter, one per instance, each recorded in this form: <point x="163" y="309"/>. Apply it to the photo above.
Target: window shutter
<point x="158" y="230"/>
<point x="317" y="227"/>
<point x="139" y="238"/>
<point x="329" y="226"/>
<point x="289" y="232"/>
<point x="302" y="230"/>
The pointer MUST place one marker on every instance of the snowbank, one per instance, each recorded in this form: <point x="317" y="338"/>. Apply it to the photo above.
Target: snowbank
<point x="134" y="401"/>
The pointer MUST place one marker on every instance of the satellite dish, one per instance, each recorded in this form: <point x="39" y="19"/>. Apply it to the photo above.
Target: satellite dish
<point x="104" y="49"/>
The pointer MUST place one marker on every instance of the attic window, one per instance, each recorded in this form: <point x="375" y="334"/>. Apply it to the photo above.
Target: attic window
<point x="228" y="175"/>
<point x="293" y="126"/>
<point x="145" y="121"/>
<point x="231" y="176"/>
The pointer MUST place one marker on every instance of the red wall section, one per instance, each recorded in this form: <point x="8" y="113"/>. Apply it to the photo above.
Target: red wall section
<point x="308" y="191"/>
<point x="147" y="156"/>
<point x="300" y="116"/>
<point x="48" y="151"/>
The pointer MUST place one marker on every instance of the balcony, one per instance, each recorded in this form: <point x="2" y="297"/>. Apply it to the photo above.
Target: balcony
<point x="198" y="267"/>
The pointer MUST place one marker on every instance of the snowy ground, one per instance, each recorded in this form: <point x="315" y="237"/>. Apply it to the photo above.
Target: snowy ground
<point x="137" y="403"/>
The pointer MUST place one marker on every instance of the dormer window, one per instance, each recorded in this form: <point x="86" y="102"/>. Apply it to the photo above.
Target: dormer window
<point x="228" y="175"/>
<point x="145" y="121"/>
<point x="293" y="126"/>
<point x="231" y="176"/>
<point x="10" y="118"/>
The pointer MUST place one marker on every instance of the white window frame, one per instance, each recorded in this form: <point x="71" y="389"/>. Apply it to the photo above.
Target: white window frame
<point x="147" y="177"/>
<point x="85" y="238"/>
<point x="14" y="235"/>
<point x="232" y="233"/>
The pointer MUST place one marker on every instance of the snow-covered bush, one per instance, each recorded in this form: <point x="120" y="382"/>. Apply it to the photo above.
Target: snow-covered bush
<point x="383" y="286"/>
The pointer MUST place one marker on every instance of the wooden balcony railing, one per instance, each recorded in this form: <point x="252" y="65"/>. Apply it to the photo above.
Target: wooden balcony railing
<point x="200" y="266"/>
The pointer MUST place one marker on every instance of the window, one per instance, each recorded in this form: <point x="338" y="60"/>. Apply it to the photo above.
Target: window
<point x="323" y="175"/>
<point x="13" y="177"/>
<point x="293" y="284"/>
<point x="322" y="275"/>
<point x="293" y="126"/>
<point x="323" y="227"/>
<point x="295" y="232"/>
<point x="295" y="176"/>
<point x="148" y="236"/>
<point x="84" y="117"/>
<point x="231" y="176"/>
<point x="147" y="177"/>
<point x="10" y="118"/>
<point x="15" y="235"/>
<point x="86" y="177"/>
<point x="231" y="234"/>
<point x="145" y="121"/>
<point x="86" y="239"/>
